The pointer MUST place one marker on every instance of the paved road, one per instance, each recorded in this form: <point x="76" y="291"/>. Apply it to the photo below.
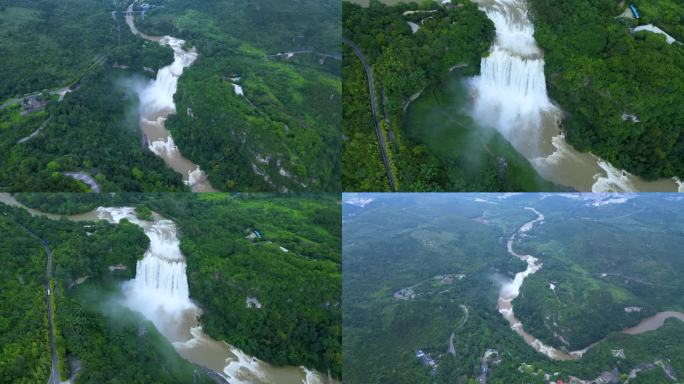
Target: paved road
<point x="374" y="109"/>
<point x="54" y="373"/>
<point x="54" y="376"/>
<point x="86" y="178"/>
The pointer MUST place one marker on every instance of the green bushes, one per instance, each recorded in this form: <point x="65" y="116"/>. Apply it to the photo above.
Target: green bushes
<point x="432" y="145"/>
<point x="298" y="285"/>
<point x="283" y="134"/>
<point x="597" y="72"/>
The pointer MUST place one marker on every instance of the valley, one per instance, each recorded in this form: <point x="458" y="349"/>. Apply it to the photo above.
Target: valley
<point x="555" y="287"/>
<point x="134" y="109"/>
<point x="496" y="119"/>
<point x="149" y="298"/>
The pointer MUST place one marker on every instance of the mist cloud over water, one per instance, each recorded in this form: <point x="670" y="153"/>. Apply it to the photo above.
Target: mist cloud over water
<point x="510" y="95"/>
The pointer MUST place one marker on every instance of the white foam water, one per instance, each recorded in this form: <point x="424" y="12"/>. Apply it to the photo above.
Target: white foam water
<point x="158" y="95"/>
<point x="156" y="103"/>
<point x="160" y="288"/>
<point x="510" y="94"/>
<point x="510" y="291"/>
<point x="511" y="89"/>
<point x="160" y="293"/>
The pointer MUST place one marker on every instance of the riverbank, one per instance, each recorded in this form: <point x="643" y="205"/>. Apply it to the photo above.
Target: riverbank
<point x="161" y="293"/>
<point x="157" y="103"/>
<point x="510" y="291"/>
<point x="510" y="94"/>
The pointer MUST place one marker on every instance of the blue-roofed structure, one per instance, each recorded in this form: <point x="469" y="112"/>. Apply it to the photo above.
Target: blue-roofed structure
<point x="634" y="10"/>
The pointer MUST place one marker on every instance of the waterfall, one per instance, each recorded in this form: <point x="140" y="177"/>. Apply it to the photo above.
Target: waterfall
<point x="161" y="281"/>
<point x="160" y="288"/>
<point x="510" y="95"/>
<point x="162" y="269"/>
<point x="156" y="103"/>
<point x="160" y="293"/>
<point x="166" y="277"/>
<point x="511" y="89"/>
<point x="158" y="95"/>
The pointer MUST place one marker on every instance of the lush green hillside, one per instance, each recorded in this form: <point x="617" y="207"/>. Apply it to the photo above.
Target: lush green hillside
<point x="46" y="44"/>
<point x="418" y="77"/>
<point x="300" y="290"/>
<point x="597" y="71"/>
<point x="362" y="167"/>
<point x="283" y="135"/>
<point x="91" y="331"/>
<point x="24" y="348"/>
<point x="404" y="241"/>
<point x="284" y="132"/>
<point x="95" y="128"/>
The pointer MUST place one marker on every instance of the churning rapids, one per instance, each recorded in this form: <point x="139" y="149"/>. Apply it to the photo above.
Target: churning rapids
<point x="510" y="95"/>
<point x="156" y="104"/>
<point x="160" y="293"/>
<point x="511" y="290"/>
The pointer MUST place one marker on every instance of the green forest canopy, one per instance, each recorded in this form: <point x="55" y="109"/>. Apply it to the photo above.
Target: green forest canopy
<point x="283" y="134"/>
<point x="300" y="290"/>
<point x="406" y="240"/>
<point x="597" y="71"/>
<point x="432" y="146"/>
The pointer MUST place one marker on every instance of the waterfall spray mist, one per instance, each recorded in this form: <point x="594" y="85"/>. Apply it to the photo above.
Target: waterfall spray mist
<point x="156" y="103"/>
<point x="510" y="95"/>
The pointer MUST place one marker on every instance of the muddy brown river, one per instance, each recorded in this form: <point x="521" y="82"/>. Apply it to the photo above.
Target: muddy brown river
<point x="510" y="95"/>
<point x="511" y="290"/>
<point x="160" y="293"/>
<point x="156" y="104"/>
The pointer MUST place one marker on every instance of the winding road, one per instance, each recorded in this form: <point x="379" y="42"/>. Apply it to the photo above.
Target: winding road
<point x="85" y="178"/>
<point x="374" y="109"/>
<point x="54" y="372"/>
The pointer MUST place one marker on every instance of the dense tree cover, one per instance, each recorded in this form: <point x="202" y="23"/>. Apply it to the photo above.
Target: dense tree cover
<point x="283" y="133"/>
<point x="50" y="44"/>
<point x="432" y="144"/>
<point x="294" y="269"/>
<point x="89" y="332"/>
<point x="45" y="44"/>
<point x="598" y="71"/>
<point x="362" y="167"/>
<point x="636" y="255"/>
<point x="94" y="129"/>
<point x="24" y="347"/>
<point x="400" y="241"/>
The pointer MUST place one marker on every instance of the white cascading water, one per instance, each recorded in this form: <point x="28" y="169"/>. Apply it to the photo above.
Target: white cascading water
<point x="511" y="89"/>
<point x="160" y="292"/>
<point x="158" y="95"/>
<point x="156" y="103"/>
<point x="160" y="288"/>
<point x="510" y="95"/>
